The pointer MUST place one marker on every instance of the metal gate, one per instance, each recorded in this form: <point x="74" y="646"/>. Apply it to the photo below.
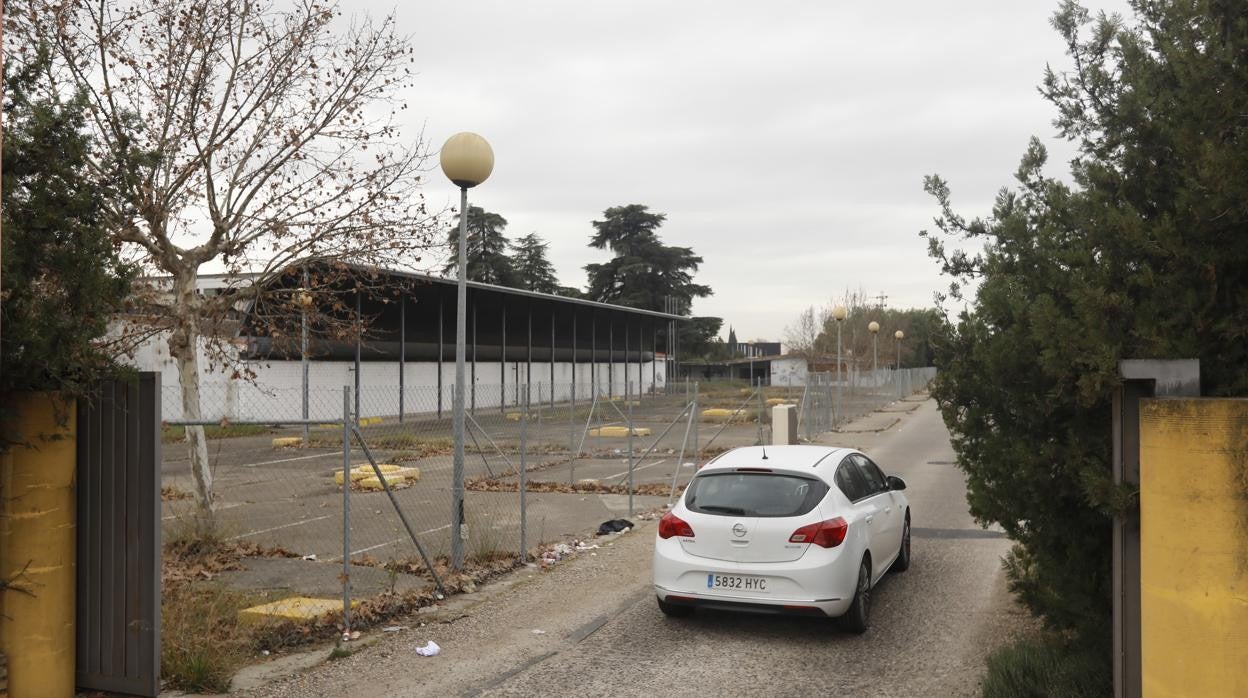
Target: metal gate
<point x="118" y="618"/>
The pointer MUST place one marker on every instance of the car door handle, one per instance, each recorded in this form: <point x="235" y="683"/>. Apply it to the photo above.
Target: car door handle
<point x="870" y="519"/>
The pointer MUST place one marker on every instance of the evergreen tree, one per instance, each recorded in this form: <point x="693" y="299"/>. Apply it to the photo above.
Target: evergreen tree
<point x="62" y="278"/>
<point x="645" y="273"/>
<point x="533" y="270"/>
<point x="487" y="249"/>
<point x="1144" y="257"/>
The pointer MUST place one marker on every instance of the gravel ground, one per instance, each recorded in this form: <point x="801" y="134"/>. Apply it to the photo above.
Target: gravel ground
<point x="601" y="633"/>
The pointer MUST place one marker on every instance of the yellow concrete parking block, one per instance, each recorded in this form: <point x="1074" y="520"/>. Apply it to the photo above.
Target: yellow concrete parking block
<point x="403" y="477"/>
<point x="513" y="416"/>
<point x="773" y="401"/>
<point x="284" y="441"/>
<point x="619" y="431"/>
<point x="717" y="414"/>
<point x="360" y="472"/>
<point x="296" y="608"/>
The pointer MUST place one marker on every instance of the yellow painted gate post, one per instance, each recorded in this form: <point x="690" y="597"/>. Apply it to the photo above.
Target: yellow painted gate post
<point x="37" y="547"/>
<point x="1194" y="547"/>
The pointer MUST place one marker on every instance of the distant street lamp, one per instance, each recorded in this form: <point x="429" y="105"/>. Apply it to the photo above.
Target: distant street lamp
<point x="874" y="327"/>
<point x="467" y="160"/>
<point x="838" y="313"/>
<point x="900" y="336"/>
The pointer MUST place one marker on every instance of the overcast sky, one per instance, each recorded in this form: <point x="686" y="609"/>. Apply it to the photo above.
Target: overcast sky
<point x="785" y="141"/>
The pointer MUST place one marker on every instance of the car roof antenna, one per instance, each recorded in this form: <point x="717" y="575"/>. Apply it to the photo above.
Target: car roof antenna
<point x="764" y="451"/>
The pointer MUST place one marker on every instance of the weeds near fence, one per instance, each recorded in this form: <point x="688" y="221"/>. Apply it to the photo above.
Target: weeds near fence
<point x="172" y="433"/>
<point x="485" y="484"/>
<point x="202" y="644"/>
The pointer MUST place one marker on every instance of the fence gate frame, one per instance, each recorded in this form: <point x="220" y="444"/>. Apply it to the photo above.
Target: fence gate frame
<point x="1141" y="378"/>
<point x="118" y="552"/>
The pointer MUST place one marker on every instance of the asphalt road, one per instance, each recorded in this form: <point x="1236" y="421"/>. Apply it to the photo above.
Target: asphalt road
<point x="590" y="626"/>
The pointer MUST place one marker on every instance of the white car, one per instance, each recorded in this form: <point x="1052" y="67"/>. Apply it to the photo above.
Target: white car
<point x="783" y="529"/>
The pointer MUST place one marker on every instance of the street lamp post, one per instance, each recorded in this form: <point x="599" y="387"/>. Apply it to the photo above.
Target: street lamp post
<point x="467" y="160"/>
<point x="900" y="336"/>
<point x="839" y="314"/>
<point x="874" y="327"/>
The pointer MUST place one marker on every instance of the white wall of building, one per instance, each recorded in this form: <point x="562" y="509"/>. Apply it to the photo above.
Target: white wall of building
<point x="275" y="393"/>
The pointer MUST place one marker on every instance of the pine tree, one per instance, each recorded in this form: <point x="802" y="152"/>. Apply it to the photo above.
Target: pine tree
<point x="645" y="273"/>
<point x="63" y="279"/>
<point x="533" y="270"/>
<point x="487" y="249"/>
<point x="1144" y="257"/>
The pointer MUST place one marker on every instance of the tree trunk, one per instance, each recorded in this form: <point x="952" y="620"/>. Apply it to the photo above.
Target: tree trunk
<point x="183" y="346"/>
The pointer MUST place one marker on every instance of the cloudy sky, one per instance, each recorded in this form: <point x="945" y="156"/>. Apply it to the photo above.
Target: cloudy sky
<point x="785" y="141"/>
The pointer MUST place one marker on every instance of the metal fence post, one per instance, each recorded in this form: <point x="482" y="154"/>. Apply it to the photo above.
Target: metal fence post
<point x="540" y="400"/>
<point x="572" y="418"/>
<point x="697" y="416"/>
<point x="761" y="412"/>
<point x="524" y="477"/>
<point x="629" y="399"/>
<point x="346" y="510"/>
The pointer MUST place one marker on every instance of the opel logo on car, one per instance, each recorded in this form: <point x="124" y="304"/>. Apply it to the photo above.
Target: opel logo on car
<point x="739" y="530"/>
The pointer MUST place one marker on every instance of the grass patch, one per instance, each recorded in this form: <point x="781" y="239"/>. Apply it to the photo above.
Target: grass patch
<point x="172" y="433"/>
<point x="169" y="493"/>
<point x="201" y="643"/>
<point x="339" y="652"/>
<point x="413" y="446"/>
<point x="1039" y="668"/>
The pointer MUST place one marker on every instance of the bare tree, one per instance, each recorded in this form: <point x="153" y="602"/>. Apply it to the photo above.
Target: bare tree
<point x="243" y="135"/>
<point x="803" y="337"/>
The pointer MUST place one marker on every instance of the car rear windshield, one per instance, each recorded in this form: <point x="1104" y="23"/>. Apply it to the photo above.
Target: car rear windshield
<point x="754" y="494"/>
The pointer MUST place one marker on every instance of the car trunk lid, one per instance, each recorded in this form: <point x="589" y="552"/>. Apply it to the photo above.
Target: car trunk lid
<point x="748" y="515"/>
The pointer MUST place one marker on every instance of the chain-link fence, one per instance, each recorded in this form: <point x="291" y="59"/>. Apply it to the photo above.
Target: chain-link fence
<point x="828" y="400"/>
<point x="543" y="464"/>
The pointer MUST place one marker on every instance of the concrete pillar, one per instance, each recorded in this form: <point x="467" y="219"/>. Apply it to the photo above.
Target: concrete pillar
<point x="784" y="425"/>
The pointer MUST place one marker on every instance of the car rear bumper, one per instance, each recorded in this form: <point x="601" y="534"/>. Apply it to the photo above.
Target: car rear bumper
<point x="800" y="607"/>
<point x="819" y="583"/>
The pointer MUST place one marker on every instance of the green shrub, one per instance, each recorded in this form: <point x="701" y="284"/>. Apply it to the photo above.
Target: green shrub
<point x="1044" y="669"/>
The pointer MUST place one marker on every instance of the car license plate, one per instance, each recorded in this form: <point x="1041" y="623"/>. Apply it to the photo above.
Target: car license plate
<point x="736" y="582"/>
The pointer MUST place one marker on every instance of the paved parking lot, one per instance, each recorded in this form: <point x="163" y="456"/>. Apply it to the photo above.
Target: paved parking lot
<point x="602" y="634"/>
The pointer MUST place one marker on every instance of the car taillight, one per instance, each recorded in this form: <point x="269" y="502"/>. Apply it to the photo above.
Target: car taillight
<point x="672" y="525"/>
<point x="825" y="534"/>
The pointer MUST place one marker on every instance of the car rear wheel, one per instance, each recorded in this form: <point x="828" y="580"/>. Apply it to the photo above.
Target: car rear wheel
<point x="855" y="619"/>
<point x="674" y="610"/>
<point x="902" y="563"/>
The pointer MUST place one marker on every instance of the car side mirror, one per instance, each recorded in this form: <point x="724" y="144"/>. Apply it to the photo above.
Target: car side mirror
<point x="895" y="483"/>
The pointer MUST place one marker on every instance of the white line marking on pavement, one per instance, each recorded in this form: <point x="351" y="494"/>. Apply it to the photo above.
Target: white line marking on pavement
<point x="288" y="460"/>
<point x="391" y="542"/>
<point x="220" y="508"/>
<point x="278" y="528"/>
<point x="635" y="469"/>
